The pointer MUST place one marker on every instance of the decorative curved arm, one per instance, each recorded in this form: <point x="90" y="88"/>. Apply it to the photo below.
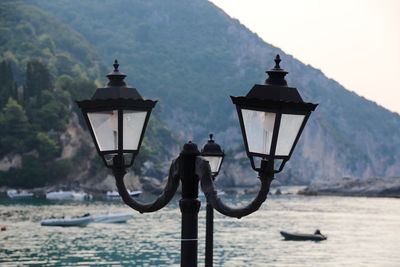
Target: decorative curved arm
<point x="161" y="201"/>
<point x="266" y="175"/>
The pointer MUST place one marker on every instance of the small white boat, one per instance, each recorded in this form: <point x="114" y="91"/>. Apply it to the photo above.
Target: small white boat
<point x="12" y="193"/>
<point x="115" y="194"/>
<point x="112" y="218"/>
<point x="68" y="195"/>
<point x="65" y="222"/>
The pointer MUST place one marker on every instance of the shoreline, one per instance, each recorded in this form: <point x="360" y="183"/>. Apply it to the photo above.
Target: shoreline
<point x="353" y="187"/>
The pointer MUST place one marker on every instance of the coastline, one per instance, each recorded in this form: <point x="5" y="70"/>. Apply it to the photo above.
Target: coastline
<point x="353" y="187"/>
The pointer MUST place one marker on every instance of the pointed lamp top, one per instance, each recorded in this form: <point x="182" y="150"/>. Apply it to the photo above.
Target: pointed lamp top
<point x="115" y="77"/>
<point x="276" y="76"/>
<point x="116" y="65"/>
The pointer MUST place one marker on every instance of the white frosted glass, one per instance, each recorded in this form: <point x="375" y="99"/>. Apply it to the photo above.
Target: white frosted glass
<point x="215" y="162"/>
<point x="105" y="128"/>
<point x="259" y="126"/>
<point x="288" y="130"/>
<point x="132" y="128"/>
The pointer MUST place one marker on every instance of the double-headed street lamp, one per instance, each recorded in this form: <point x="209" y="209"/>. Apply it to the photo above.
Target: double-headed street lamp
<point x="272" y="117"/>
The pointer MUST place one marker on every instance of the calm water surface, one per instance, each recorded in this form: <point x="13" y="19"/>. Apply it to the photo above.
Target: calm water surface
<point x="361" y="232"/>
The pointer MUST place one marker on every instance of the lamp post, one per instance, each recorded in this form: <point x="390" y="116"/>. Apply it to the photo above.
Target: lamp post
<point x="272" y="117"/>
<point x="213" y="153"/>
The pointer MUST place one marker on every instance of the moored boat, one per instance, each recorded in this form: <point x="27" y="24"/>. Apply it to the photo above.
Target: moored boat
<point x="68" y="195"/>
<point x="68" y="221"/>
<point x="12" y="193"/>
<point x="115" y="194"/>
<point x="112" y="218"/>
<point x="317" y="236"/>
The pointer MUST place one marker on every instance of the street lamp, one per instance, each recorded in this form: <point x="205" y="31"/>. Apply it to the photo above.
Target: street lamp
<point x="272" y="117"/>
<point x="213" y="153"/>
<point x="117" y="117"/>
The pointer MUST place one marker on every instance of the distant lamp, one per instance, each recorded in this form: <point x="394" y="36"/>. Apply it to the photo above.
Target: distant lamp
<point x="272" y="117"/>
<point x="213" y="153"/>
<point x="117" y="117"/>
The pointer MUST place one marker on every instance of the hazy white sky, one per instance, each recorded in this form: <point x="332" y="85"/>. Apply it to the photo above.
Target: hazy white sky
<point x="355" y="42"/>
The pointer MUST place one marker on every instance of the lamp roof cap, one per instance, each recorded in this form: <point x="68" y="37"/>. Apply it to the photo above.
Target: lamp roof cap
<point x="211" y="148"/>
<point x="276" y="76"/>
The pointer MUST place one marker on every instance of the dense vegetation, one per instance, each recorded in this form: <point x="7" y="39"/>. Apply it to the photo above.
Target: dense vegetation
<point x="38" y="58"/>
<point x="28" y="33"/>
<point x="32" y="121"/>
<point x="44" y="67"/>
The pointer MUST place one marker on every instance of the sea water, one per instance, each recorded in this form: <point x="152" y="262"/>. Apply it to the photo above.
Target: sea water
<point x="361" y="232"/>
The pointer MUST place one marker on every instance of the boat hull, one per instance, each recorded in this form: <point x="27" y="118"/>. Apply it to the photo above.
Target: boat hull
<point x="68" y="195"/>
<point x="112" y="218"/>
<point x="14" y="194"/>
<point x="113" y="195"/>
<point x="302" y="237"/>
<point x="81" y="222"/>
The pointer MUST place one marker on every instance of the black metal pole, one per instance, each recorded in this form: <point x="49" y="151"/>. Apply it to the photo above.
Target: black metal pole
<point x="189" y="205"/>
<point x="209" y="235"/>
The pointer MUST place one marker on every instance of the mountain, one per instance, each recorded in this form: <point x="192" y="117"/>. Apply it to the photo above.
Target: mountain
<point x="191" y="56"/>
<point x="45" y="66"/>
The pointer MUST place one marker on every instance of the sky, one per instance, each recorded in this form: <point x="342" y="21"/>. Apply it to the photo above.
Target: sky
<point x="355" y="42"/>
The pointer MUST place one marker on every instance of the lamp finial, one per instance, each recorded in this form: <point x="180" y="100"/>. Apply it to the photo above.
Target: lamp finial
<point x="276" y="76"/>
<point x="277" y="61"/>
<point x="116" y="65"/>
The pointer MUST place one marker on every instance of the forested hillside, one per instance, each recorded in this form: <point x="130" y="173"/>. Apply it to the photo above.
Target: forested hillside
<point x="44" y="67"/>
<point x="191" y="56"/>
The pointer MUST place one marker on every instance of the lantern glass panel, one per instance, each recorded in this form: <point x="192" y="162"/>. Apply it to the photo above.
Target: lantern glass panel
<point x="259" y="127"/>
<point x="105" y="128"/>
<point x="109" y="158"/>
<point x="128" y="158"/>
<point x="288" y="131"/>
<point x="215" y="162"/>
<point x="133" y="122"/>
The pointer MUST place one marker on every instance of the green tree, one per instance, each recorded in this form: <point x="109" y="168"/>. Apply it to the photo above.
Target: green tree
<point x="54" y="113"/>
<point x="37" y="91"/>
<point x="38" y="79"/>
<point x="14" y="128"/>
<point x="8" y="87"/>
<point x="79" y="89"/>
<point x="48" y="148"/>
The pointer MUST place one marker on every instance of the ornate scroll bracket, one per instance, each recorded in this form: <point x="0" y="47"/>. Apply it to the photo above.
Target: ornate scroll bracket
<point x="168" y="192"/>
<point x="203" y="171"/>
